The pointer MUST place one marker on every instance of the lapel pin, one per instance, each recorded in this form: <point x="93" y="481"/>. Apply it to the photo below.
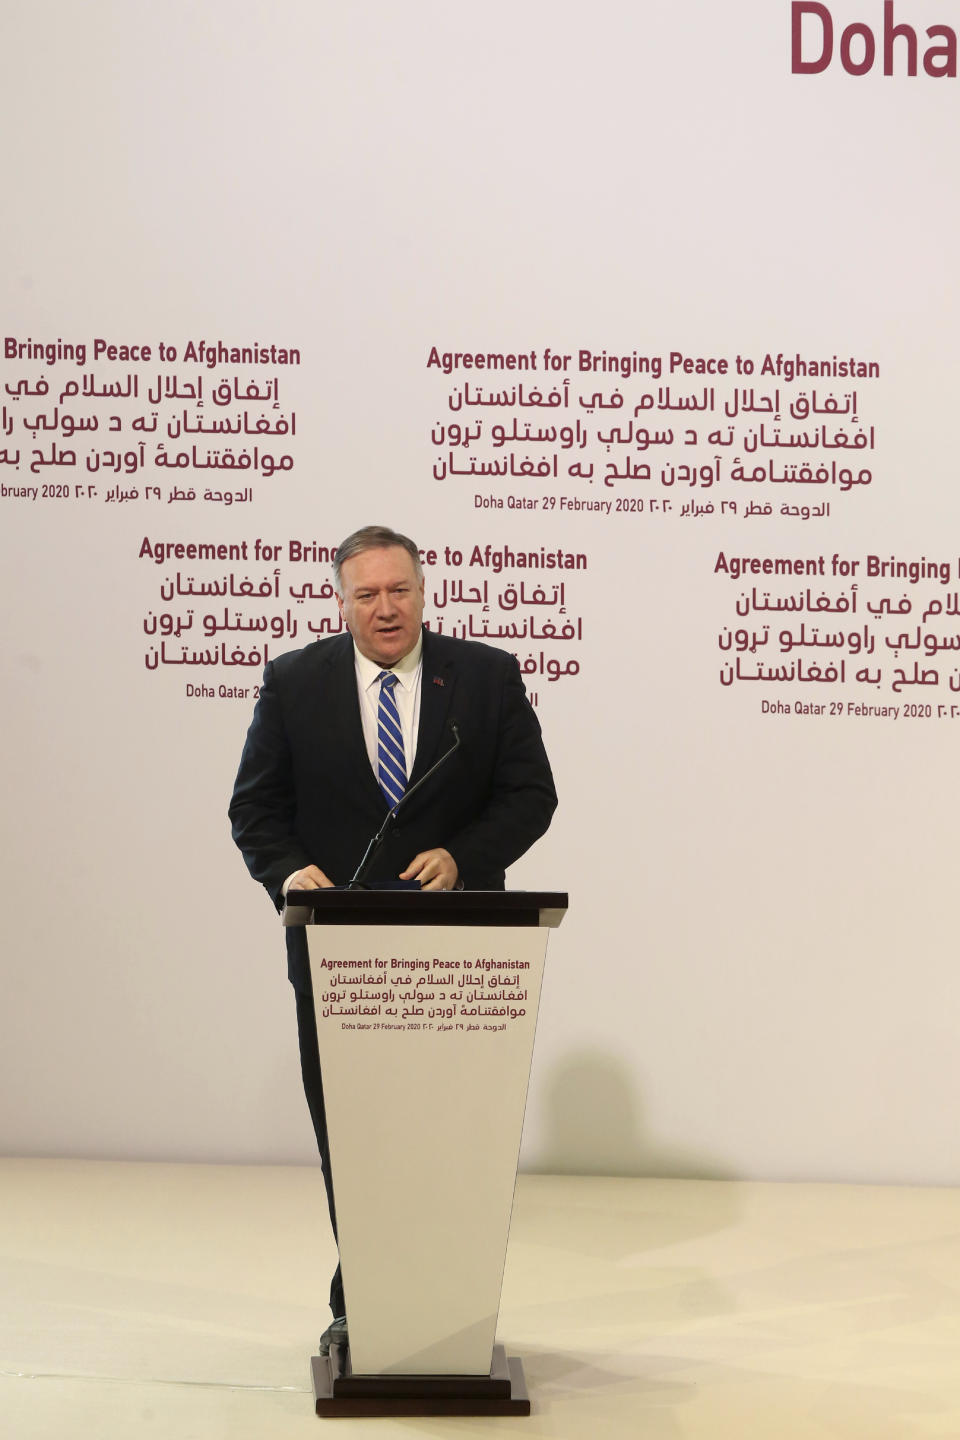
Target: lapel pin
<point x="438" y="680"/>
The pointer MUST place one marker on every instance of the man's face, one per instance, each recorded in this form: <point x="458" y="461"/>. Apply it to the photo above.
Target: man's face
<point x="382" y="603"/>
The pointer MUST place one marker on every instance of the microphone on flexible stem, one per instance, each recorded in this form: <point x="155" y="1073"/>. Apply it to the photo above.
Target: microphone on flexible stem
<point x="376" y="844"/>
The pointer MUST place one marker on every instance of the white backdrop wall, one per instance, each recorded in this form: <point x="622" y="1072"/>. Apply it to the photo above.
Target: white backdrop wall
<point x="757" y="975"/>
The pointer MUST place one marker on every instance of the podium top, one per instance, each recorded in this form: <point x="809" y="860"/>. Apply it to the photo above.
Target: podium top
<point x="425" y="907"/>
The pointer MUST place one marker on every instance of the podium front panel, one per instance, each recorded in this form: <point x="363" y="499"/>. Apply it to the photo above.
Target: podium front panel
<point x="426" y="1038"/>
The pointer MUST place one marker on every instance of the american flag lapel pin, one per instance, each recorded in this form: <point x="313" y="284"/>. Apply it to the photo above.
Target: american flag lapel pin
<point x="438" y="680"/>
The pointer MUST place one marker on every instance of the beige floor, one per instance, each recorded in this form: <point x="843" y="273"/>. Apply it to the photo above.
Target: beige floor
<point x="181" y="1301"/>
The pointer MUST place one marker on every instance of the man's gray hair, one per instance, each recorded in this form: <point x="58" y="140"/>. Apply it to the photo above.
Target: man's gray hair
<point x="373" y="537"/>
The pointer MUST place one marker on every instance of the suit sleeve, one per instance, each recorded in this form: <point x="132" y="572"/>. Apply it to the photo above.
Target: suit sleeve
<point x="521" y="797"/>
<point x="263" y="807"/>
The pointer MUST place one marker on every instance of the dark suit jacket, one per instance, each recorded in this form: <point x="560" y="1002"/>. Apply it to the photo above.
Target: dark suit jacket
<point x="306" y="793"/>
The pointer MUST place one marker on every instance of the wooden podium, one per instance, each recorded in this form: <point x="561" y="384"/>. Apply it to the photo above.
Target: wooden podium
<point x="426" y="1011"/>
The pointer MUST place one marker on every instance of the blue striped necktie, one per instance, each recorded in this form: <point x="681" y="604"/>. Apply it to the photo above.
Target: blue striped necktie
<point x="391" y="765"/>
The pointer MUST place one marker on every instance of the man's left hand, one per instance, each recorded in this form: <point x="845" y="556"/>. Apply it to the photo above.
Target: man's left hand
<point x="435" y="869"/>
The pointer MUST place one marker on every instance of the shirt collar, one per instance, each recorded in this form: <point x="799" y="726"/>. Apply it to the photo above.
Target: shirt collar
<point x="406" y="669"/>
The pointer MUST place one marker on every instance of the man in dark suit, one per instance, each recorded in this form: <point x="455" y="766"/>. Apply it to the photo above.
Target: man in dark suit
<point x="342" y="727"/>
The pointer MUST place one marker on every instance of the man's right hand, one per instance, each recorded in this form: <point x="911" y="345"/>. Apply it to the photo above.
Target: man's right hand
<point x="311" y="877"/>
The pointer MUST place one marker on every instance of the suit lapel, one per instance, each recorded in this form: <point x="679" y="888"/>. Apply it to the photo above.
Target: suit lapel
<point x="342" y="715"/>
<point x="437" y="684"/>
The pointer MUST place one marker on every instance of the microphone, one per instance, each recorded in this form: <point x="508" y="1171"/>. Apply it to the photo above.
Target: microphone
<point x="376" y="844"/>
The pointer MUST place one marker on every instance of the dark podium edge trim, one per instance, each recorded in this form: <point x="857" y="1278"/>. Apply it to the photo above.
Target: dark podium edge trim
<point x="520" y="908"/>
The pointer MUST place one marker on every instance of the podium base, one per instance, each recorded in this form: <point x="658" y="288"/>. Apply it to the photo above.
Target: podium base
<point x="339" y="1392"/>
